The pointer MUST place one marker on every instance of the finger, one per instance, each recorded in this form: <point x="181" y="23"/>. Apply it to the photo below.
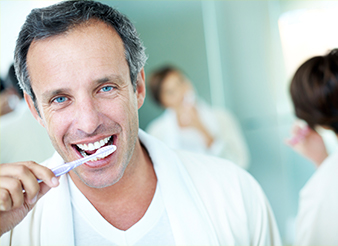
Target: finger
<point x="5" y="200"/>
<point x="26" y="178"/>
<point x="43" y="190"/>
<point x="28" y="173"/>
<point x="19" y="170"/>
<point x="288" y="141"/>
<point x="43" y="173"/>
<point x="295" y="129"/>
<point x="11" y="193"/>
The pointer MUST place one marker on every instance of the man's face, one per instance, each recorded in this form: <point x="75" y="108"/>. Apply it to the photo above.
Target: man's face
<point x="86" y="99"/>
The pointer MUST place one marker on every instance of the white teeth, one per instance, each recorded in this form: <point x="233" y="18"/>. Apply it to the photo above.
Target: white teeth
<point x="84" y="154"/>
<point x="93" y="146"/>
<point x="97" y="145"/>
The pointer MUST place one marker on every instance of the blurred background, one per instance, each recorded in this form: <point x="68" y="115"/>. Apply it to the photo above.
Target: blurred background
<point x="240" y="55"/>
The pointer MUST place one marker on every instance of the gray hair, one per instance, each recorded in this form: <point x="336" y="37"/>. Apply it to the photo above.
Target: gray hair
<point x="62" y="17"/>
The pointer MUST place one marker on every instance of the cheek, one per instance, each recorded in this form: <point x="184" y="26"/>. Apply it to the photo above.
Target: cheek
<point x="129" y="112"/>
<point x="166" y="100"/>
<point x="56" y="124"/>
<point x="174" y="99"/>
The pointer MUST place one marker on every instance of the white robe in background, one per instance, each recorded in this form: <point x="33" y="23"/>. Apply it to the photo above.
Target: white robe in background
<point x="22" y="138"/>
<point x="317" y="219"/>
<point x="209" y="201"/>
<point x="229" y="141"/>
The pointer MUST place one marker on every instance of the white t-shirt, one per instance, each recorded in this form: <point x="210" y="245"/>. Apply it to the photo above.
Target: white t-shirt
<point x="90" y="228"/>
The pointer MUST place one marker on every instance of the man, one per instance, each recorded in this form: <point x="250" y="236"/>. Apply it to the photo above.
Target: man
<point x="80" y="64"/>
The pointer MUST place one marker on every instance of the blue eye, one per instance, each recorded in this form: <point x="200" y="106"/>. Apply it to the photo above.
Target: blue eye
<point x="107" y="88"/>
<point x="60" y="99"/>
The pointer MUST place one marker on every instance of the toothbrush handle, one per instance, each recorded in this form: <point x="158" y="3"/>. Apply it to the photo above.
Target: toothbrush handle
<point x="62" y="169"/>
<point x="59" y="170"/>
<point x="66" y="167"/>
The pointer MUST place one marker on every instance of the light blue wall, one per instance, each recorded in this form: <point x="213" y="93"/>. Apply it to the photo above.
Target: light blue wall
<point x="254" y="63"/>
<point x="172" y="32"/>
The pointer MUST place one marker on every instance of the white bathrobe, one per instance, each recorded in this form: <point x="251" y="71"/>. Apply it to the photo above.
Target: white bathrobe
<point x="317" y="219"/>
<point x="209" y="201"/>
<point x="229" y="142"/>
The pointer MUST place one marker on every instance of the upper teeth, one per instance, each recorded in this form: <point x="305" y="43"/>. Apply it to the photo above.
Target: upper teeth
<point x="94" y="146"/>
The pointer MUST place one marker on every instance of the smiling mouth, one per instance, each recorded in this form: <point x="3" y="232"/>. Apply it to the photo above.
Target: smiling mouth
<point x="91" y="148"/>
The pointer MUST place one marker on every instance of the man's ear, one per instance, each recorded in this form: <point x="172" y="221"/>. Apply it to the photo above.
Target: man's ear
<point x="141" y="88"/>
<point x="32" y="108"/>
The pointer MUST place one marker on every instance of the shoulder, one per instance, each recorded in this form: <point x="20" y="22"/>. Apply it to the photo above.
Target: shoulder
<point x="53" y="161"/>
<point x="158" y="122"/>
<point x="206" y="171"/>
<point x="324" y="179"/>
<point x="320" y="192"/>
<point x="232" y="198"/>
<point x="224" y="115"/>
<point x="195" y="161"/>
<point x="162" y="125"/>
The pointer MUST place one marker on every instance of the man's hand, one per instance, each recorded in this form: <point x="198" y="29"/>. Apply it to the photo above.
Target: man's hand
<point x="20" y="190"/>
<point x="308" y="143"/>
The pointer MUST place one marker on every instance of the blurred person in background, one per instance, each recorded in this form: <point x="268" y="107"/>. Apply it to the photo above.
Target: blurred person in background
<point x="11" y="93"/>
<point x="2" y="94"/>
<point x="189" y="123"/>
<point x="314" y="92"/>
<point x="21" y="138"/>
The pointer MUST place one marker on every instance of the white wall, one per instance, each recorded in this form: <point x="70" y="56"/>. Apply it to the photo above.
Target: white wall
<point x="13" y="15"/>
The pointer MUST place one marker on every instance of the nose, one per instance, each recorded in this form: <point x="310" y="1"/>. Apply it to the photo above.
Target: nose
<point x="87" y="116"/>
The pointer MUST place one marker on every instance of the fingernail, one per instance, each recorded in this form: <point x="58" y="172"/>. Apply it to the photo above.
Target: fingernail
<point x="2" y="207"/>
<point x="55" y="181"/>
<point x="34" y="199"/>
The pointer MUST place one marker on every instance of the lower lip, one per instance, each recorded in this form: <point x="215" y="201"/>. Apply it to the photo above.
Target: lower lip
<point x="101" y="162"/>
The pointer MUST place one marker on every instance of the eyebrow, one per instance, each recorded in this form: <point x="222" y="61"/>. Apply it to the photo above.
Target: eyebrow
<point x="47" y="95"/>
<point x="113" y="78"/>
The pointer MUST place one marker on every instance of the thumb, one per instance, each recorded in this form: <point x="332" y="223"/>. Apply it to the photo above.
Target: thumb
<point x="44" y="188"/>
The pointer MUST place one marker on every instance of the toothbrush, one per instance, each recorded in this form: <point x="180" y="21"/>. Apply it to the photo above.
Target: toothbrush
<point x="66" y="167"/>
<point x="300" y="136"/>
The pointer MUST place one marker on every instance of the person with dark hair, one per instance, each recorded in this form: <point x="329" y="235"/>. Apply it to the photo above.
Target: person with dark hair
<point x="314" y="93"/>
<point x="80" y="64"/>
<point x="188" y="123"/>
<point x="11" y="94"/>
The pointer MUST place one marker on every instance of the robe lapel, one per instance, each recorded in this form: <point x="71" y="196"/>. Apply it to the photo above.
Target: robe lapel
<point x="188" y="217"/>
<point x="57" y="217"/>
